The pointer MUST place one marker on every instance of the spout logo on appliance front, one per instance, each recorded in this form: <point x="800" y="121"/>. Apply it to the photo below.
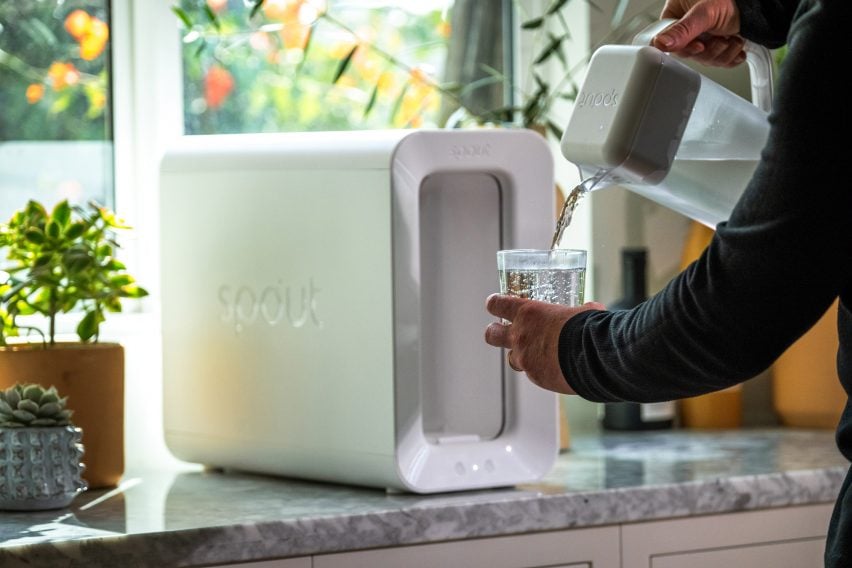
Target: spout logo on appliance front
<point x="599" y="99"/>
<point x="272" y="305"/>
<point x="468" y="151"/>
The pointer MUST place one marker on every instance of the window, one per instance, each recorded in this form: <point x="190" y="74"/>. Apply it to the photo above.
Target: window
<point x="55" y="94"/>
<point x="291" y="65"/>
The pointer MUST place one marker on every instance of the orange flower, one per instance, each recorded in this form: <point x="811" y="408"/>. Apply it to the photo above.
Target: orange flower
<point x="217" y="5"/>
<point x="93" y="43"/>
<point x="419" y="99"/>
<point x="90" y="32"/>
<point x="34" y="93"/>
<point x="62" y="75"/>
<point x="419" y="77"/>
<point x="444" y="29"/>
<point x="294" y="35"/>
<point x="218" y="84"/>
<point x="283" y="10"/>
<point x="77" y="24"/>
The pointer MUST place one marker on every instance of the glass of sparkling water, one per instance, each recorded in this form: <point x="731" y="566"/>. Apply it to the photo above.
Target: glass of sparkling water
<point x="557" y="276"/>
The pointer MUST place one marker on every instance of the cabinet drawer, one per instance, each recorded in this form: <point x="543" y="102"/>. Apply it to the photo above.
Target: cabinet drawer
<point x="790" y="536"/>
<point x="303" y="562"/>
<point x="582" y="548"/>
<point x="792" y="554"/>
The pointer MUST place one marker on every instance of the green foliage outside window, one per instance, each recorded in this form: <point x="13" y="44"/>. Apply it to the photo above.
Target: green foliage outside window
<point x="272" y="65"/>
<point x="54" y="70"/>
<point x="300" y="65"/>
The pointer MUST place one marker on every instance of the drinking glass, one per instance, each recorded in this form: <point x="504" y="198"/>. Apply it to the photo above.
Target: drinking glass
<point x="556" y="276"/>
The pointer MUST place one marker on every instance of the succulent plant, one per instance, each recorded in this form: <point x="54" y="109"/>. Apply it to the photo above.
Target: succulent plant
<point x="28" y="405"/>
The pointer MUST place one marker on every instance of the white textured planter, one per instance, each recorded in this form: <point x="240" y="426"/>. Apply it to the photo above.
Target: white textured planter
<point x="40" y="467"/>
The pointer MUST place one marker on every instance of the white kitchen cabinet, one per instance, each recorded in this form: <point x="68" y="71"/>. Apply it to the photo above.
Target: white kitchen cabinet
<point x="580" y="548"/>
<point x="791" y="537"/>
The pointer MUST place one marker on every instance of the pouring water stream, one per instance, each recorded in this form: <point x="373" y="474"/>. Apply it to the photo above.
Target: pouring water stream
<point x="571" y="203"/>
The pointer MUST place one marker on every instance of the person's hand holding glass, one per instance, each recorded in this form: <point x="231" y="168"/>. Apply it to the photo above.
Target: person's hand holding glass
<point x="539" y="291"/>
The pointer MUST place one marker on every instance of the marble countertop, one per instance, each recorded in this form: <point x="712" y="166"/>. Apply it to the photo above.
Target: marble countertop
<point x="195" y="518"/>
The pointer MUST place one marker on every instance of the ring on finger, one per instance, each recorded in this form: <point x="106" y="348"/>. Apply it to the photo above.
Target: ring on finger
<point x="509" y="361"/>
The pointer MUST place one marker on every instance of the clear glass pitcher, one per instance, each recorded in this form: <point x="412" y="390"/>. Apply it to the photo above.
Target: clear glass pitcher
<point x="646" y="121"/>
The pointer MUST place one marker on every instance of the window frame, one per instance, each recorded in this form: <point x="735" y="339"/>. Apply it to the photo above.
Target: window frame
<point x="147" y="116"/>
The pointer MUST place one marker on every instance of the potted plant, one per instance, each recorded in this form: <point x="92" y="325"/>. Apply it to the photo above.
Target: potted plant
<point x="64" y="262"/>
<point x="40" y="450"/>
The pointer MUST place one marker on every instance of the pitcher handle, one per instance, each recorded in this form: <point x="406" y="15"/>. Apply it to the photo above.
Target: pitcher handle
<point x="758" y="58"/>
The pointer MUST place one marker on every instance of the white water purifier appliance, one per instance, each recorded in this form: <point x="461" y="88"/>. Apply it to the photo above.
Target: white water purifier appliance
<point x="323" y="305"/>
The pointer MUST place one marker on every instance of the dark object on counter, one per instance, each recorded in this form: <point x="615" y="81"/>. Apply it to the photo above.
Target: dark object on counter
<point x="631" y="415"/>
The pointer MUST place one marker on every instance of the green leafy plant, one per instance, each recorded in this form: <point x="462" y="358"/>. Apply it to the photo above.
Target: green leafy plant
<point x="26" y="405"/>
<point x="61" y="261"/>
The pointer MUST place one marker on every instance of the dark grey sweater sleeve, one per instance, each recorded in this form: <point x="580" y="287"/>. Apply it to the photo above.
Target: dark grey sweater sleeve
<point x="766" y="21"/>
<point x="770" y="271"/>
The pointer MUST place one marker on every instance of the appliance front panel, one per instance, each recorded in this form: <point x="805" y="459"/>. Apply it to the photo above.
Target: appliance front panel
<point x="277" y="317"/>
<point x="464" y="420"/>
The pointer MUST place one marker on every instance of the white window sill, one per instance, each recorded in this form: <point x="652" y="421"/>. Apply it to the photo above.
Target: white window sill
<point x="117" y="327"/>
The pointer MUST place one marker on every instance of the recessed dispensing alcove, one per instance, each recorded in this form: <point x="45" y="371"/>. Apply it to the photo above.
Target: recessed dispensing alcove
<point x="461" y="376"/>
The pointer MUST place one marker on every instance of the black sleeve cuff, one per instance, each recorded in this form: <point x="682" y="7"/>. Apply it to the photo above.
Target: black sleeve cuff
<point x="570" y="351"/>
